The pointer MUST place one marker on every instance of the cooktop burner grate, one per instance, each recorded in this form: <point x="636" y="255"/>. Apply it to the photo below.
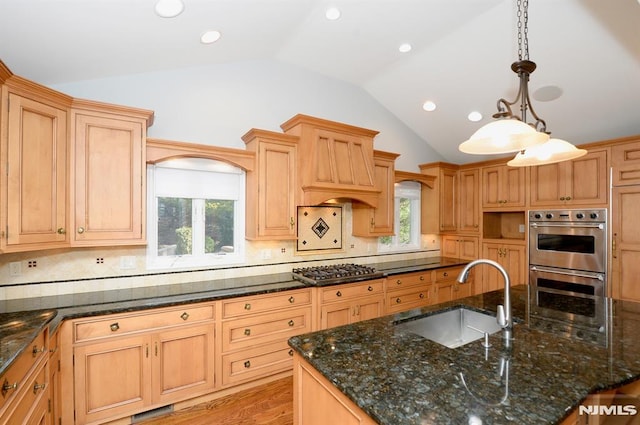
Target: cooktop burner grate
<point x="334" y="274"/>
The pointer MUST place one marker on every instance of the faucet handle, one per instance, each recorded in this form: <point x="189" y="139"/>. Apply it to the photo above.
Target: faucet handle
<point x="500" y="316"/>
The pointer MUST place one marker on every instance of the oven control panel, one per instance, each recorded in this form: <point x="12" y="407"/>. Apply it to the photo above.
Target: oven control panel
<point x="598" y="215"/>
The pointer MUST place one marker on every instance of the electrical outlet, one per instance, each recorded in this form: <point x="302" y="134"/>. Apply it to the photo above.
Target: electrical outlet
<point x="265" y="254"/>
<point x="521" y="228"/>
<point x="15" y="268"/>
<point x="127" y="262"/>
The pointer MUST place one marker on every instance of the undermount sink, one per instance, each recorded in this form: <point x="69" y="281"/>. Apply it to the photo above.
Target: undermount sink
<point x="453" y="328"/>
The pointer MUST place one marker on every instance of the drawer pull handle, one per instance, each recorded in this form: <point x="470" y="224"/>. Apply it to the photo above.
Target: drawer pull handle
<point x="291" y="323"/>
<point x="398" y="300"/>
<point x="6" y="387"/>
<point x="292" y="300"/>
<point x="37" y="350"/>
<point x="247" y="364"/>
<point x="421" y="296"/>
<point x="398" y="282"/>
<point x="114" y="327"/>
<point x="37" y="387"/>
<point x="338" y="294"/>
<point x="184" y="316"/>
<point x="421" y="277"/>
<point x="370" y="289"/>
<point x="247" y="306"/>
<point x="445" y="274"/>
<point x="247" y="332"/>
<point x="291" y="353"/>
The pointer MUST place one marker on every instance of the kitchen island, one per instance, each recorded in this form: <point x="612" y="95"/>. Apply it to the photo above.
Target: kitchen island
<point x="397" y="377"/>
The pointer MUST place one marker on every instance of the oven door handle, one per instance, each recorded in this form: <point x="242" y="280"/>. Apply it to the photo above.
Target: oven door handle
<point x="598" y="276"/>
<point x="600" y="226"/>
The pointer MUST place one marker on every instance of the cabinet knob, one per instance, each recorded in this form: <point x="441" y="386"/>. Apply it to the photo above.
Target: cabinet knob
<point x="421" y="296"/>
<point x="37" y="387"/>
<point x="398" y="282"/>
<point x="398" y="300"/>
<point x="292" y="300"/>
<point x="61" y="231"/>
<point x="291" y="323"/>
<point x="247" y="332"/>
<point x="247" y="364"/>
<point x="370" y="289"/>
<point x="567" y="198"/>
<point x="421" y="277"/>
<point x="114" y="327"/>
<point x="80" y="229"/>
<point x="247" y="306"/>
<point x="291" y="353"/>
<point x="338" y="294"/>
<point x="184" y="316"/>
<point x="6" y="387"/>
<point x="445" y="274"/>
<point x="37" y="350"/>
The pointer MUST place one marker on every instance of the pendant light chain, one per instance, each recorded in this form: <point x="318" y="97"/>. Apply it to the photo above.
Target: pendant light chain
<point x="523" y="29"/>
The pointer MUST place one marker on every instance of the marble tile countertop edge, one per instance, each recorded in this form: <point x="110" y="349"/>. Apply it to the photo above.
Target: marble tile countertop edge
<point x="399" y="377"/>
<point x="22" y="319"/>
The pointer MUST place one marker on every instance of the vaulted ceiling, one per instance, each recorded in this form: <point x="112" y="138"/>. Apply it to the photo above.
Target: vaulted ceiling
<point x="586" y="87"/>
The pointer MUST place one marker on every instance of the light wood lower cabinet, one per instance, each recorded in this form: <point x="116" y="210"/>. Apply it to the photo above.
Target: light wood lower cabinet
<point x="409" y="290"/>
<point x="255" y="331"/>
<point x="511" y="256"/>
<point x="317" y="402"/>
<point x="447" y="286"/>
<point x="25" y="386"/>
<point x="119" y="372"/>
<point x="350" y="303"/>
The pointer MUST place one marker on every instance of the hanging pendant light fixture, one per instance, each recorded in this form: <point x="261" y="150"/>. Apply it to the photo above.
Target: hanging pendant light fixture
<point x="511" y="132"/>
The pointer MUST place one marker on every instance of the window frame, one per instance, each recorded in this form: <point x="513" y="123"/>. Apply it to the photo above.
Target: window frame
<point x="405" y="190"/>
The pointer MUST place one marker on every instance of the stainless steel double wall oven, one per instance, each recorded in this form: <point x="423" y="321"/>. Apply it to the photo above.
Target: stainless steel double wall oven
<point x="568" y="263"/>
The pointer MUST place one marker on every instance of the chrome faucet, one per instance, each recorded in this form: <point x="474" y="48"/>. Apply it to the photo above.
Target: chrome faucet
<point x="504" y="315"/>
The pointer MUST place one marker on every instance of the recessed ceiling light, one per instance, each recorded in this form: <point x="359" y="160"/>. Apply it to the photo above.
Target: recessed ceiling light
<point x="474" y="116"/>
<point x="332" y="13"/>
<point x="210" y="37"/>
<point x="169" y="8"/>
<point x="404" y="48"/>
<point x="429" y="106"/>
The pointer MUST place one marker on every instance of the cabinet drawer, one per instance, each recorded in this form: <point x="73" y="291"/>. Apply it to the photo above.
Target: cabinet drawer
<point x="14" y="377"/>
<point x="34" y="389"/>
<point x="407" y="300"/>
<point x="408" y="280"/>
<point x="278" y="326"/>
<point x="342" y="292"/>
<point x="117" y="325"/>
<point x="262" y="303"/>
<point x="448" y="274"/>
<point x="255" y="363"/>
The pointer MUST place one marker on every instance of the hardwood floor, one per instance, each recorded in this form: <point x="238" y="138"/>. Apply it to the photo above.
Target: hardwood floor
<point x="269" y="404"/>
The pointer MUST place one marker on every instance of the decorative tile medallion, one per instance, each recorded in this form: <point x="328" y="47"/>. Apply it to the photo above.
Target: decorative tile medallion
<point x="319" y="228"/>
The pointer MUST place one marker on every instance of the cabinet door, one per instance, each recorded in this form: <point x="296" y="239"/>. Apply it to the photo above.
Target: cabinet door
<point x="625" y="164"/>
<point x="378" y="221"/>
<point x="547" y="184"/>
<point x="112" y="378"/>
<point x="586" y="181"/>
<point x="109" y="179"/>
<point x="448" y="204"/>
<point x="183" y="363"/>
<point x="469" y="200"/>
<point x="511" y="257"/>
<point x="368" y="309"/>
<point x="36" y="183"/>
<point x="503" y="186"/>
<point x="445" y="292"/>
<point x="336" y="314"/>
<point x="274" y="191"/>
<point x="625" y="249"/>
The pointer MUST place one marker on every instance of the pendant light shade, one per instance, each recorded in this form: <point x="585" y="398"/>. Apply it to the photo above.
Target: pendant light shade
<point x="503" y="136"/>
<point x="554" y="150"/>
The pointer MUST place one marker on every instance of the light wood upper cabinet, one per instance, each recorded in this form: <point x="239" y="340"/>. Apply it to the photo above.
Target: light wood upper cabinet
<point x="34" y="146"/>
<point x="469" y="182"/>
<point x="582" y="181"/>
<point x="440" y="204"/>
<point x="625" y="164"/>
<point x="108" y="174"/>
<point x="271" y="186"/>
<point x="368" y="221"/>
<point x="503" y="186"/>
<point x="459" y="246"/>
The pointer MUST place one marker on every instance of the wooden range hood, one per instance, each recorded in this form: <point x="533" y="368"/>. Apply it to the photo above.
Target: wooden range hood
<point x="335" y="161"/>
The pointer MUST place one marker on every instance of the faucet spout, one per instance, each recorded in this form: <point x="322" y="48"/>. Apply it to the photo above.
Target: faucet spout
<point x="504" y="316"/>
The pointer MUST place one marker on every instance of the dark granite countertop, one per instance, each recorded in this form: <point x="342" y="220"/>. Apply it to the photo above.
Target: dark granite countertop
<point x="398" y="377"/>
<point x="22" y="319"/>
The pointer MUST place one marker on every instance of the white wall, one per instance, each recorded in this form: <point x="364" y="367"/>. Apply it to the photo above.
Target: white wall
<point x="218" y="104"/>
